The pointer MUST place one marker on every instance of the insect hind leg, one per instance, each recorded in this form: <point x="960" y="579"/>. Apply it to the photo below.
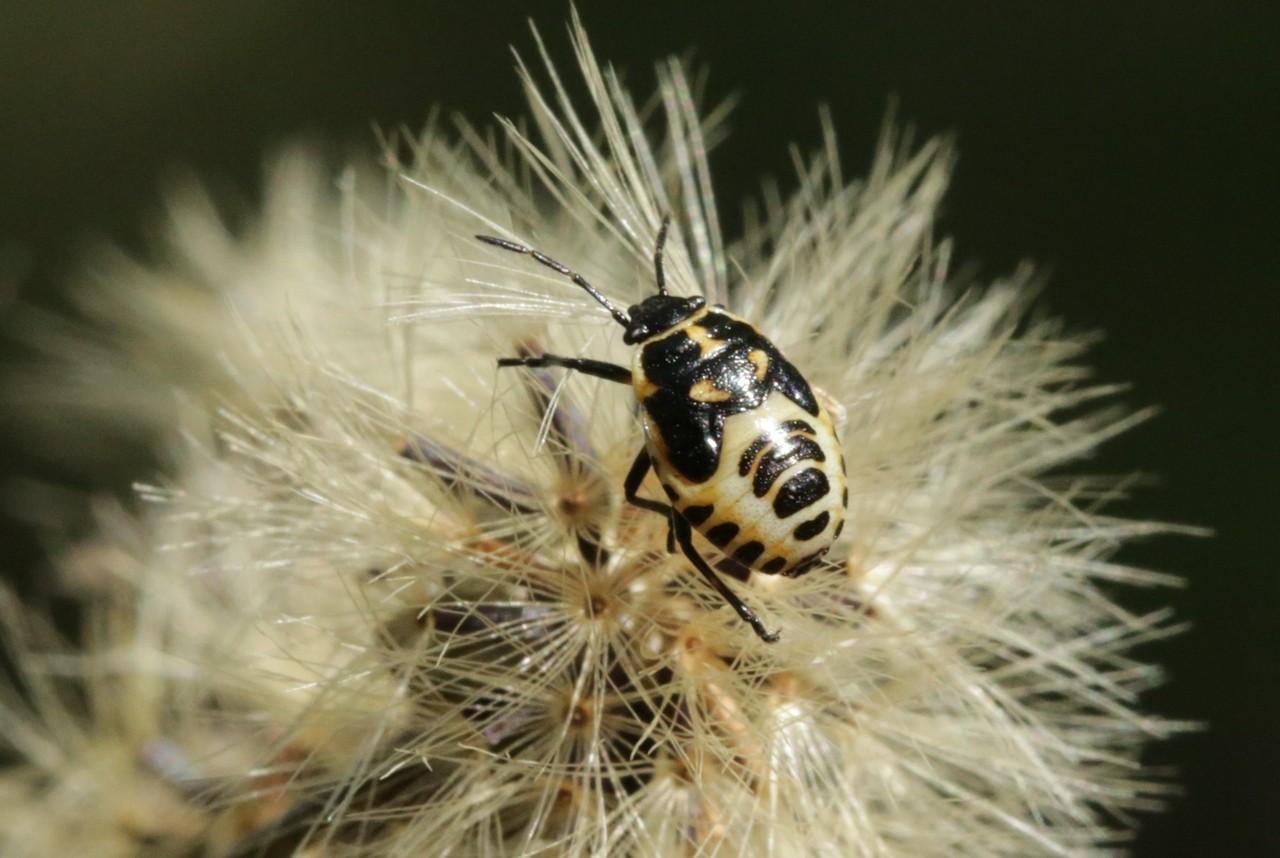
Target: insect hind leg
<point x="684" y="536"/>
<point x="679" y="530"/>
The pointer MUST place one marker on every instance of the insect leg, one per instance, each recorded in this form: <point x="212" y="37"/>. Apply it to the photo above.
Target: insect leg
<point x="684" y="536"/>
<point x="631" y="485"/>
<point x="635" y="477"/>
<point x="579" y="468"/>
<point x="598" y="368"/>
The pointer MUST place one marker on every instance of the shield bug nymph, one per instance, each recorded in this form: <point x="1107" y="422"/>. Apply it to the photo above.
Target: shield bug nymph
<point x="744" y="451"/>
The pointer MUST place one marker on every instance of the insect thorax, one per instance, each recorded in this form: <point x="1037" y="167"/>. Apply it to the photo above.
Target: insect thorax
<point x="690" y="379"/>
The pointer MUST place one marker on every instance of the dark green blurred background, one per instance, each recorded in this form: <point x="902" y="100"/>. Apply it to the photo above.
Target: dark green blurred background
<point x="1131" y="150"/>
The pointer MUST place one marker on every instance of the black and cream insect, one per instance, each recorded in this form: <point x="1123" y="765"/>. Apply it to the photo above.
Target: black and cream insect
<point x="744" y="451"/>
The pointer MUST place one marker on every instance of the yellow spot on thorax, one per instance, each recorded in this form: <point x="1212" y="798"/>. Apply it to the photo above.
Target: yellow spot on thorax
<point x="701" y="335"/>
<point x="706" y="391"/>
<point x="643" y="387"/>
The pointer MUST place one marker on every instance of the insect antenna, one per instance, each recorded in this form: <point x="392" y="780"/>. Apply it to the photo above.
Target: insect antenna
<point x="618" y="314"/>
<point x="658" y="273"/>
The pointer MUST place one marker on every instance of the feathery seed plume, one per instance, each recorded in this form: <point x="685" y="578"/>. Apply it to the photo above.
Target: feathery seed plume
<point x="391" y="601"/>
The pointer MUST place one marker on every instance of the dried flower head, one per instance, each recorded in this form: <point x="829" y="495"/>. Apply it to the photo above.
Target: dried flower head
<point x="409" y="582"/>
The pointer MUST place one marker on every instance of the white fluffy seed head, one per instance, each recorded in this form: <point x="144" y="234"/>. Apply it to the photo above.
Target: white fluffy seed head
<point x="408" y="580"/>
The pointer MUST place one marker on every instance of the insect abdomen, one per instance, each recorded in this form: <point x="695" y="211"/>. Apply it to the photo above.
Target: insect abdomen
<point x="776" y="501"/>
<point x="744" y="450"/>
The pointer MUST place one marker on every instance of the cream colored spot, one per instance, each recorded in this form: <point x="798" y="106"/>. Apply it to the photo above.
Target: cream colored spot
<point x="643" y="387"/>
<point x="760" y="361"/>
<point x="705" y="391"/>
<point x="702" y="337"/>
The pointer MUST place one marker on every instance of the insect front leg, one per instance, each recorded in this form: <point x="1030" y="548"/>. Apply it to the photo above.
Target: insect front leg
<point x="581" y="469"/>
<point x="631" y="486"/>
<point x="598" y="368"/>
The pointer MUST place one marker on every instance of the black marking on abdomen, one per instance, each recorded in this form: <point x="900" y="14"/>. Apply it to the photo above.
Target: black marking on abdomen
<point x="774" y="566"/>
<point x="802" y="490"/>
<point x="812" y="527"/>
<point x="781" y="457"/>
<point x="788" y="427"/>
<point x="749" y="455"/>
<point x="805" y="564"/>
<point x="749" y="553"/>
<point x="696" y="515"/>
<point x="722" y="534"/>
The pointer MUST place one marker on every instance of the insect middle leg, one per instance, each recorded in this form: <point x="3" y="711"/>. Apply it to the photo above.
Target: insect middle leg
<point x="682" y="532"/>
<point x="631" y="487"/>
